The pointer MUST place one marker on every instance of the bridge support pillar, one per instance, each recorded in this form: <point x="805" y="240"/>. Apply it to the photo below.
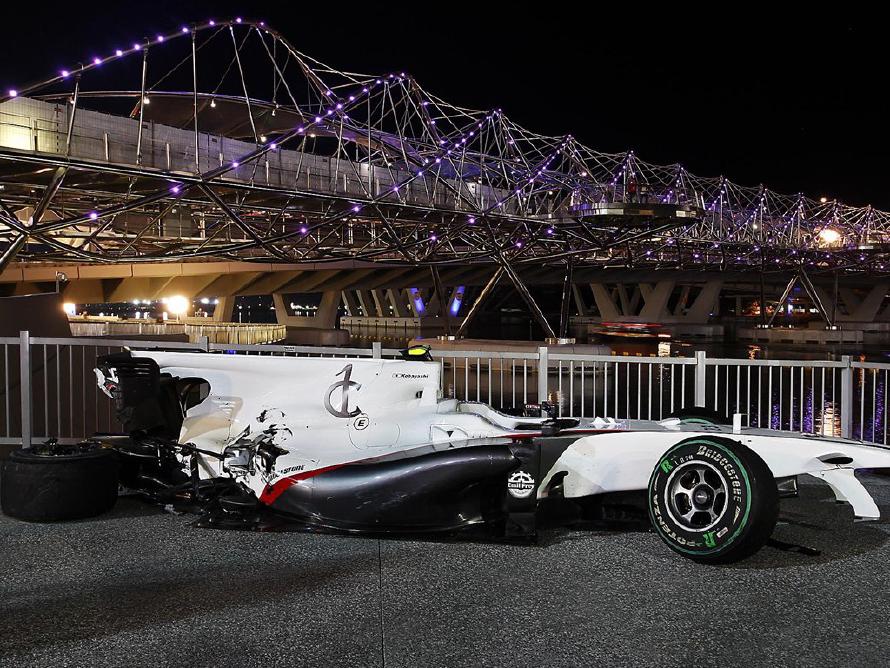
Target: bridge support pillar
<point x="224" y="308"/>
<point x="703" y="305"/>
<point x="604" y="302"/>
<point x="379" y="304"/>
<point x="680" y="307"/>
<point x="351" y="303"/>
<point x="655" y="306"/>
<point x="364" y="301"/>
<point x="580" y="306"/>
<point x="408" y="298"/>
<point x="398" y="306"/>
<point x="624" y="300"/>
<point x="868" y="308"/>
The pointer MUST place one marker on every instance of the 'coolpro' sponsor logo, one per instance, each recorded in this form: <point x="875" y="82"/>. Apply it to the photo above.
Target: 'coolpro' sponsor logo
<point x="411" y="376"/>
<point x="343" y="410"/>
<point x="520" y="484"/>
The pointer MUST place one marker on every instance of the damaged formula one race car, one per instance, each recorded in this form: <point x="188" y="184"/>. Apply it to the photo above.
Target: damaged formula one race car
<point x="368" y="445"/>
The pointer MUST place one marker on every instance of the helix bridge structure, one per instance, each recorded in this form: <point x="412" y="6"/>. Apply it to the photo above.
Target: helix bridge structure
<point x="221" y="140"/>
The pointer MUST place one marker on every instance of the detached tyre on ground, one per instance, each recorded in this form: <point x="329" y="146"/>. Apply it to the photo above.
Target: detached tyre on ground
<point x="42" y="486"/>
<point x="713" y="500"/>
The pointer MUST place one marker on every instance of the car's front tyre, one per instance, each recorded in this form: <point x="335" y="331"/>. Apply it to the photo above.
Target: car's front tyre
<point x="713" y="499"/>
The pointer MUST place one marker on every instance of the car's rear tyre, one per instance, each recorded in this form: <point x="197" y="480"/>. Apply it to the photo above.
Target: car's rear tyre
<point x="713" y="500"/>
<point x="700" y="415"/>
<point x="51" y="487"/>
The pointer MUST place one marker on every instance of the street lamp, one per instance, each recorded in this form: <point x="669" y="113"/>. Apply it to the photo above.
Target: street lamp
<point x="828" y="236"/>
<point x="177" y="305"/>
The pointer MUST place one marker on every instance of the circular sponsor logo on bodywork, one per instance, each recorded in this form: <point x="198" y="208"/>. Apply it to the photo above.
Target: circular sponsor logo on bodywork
<point x="361" y="422"/>
<point x="520" y="484"/>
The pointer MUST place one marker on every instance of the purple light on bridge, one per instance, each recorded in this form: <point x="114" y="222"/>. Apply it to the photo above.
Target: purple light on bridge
<point x="65" y="73"/>
<point x="356" y="208"/>
<point x="118" y="53"/>
<point x="456" y="300"/>
<point x="175" y="190"/>
<point x="417" y="300"/>
<point x="97" y="61"/>
<point x="304" y="229"/>
<point x="93" y="215"/>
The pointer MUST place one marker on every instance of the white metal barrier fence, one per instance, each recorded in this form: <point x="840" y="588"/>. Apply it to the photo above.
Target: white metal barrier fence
<point x="49" y="389"/>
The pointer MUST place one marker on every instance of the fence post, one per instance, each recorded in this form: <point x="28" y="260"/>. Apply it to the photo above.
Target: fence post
<point x="700" y="377"/>
<point x="543" y="370"/>
<point x="25" y="385"/>
<point x="376" y="350"/>
<point x="846" y="397"/>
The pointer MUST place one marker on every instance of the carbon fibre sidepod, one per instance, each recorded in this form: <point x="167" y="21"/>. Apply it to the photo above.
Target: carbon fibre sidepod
<point x="431" y="492"/>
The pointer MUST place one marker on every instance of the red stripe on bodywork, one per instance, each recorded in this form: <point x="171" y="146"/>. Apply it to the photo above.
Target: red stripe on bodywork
<point x="272" y="492"/>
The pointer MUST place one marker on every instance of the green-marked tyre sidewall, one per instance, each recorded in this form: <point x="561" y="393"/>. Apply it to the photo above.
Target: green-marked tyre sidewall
<point x="660" y="474"/>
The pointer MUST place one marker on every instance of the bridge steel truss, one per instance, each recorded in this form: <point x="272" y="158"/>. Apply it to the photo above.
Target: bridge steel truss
<point x="316" y="164"/>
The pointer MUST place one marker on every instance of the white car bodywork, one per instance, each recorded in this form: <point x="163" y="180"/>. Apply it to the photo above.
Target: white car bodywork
<point x="326" y="412"/>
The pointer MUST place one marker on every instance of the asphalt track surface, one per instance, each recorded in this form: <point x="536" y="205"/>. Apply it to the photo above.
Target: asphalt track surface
<point x="140" y="587"/>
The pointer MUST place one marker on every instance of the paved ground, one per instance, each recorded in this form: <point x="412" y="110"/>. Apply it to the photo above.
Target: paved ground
<point x="139" y="587"/>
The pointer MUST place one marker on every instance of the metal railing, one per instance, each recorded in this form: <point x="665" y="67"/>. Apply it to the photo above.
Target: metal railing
<point x="49" y="389"/>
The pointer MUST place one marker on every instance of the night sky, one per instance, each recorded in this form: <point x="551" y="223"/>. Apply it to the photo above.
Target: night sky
<point x="795" y="102"/>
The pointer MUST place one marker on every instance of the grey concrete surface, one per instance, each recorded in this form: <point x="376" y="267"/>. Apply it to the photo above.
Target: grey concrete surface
<point x="139" y="587"/>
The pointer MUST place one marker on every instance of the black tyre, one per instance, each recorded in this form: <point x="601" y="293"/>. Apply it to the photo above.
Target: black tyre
<point x="700" y="415"/>
<point x="49" y="487"/>
<point x="713" y="500"/>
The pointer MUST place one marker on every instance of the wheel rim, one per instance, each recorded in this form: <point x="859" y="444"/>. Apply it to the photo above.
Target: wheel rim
<point x="696" y="496"/>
